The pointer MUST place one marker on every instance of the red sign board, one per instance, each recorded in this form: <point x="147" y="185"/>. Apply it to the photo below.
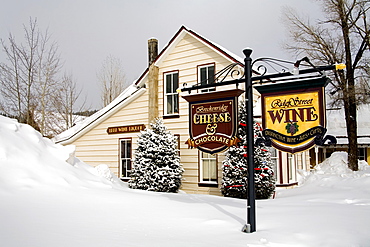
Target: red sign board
<point x="213" y="120"/>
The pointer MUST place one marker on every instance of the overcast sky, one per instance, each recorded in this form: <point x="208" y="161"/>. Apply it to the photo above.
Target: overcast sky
<point x="87" y="31"/>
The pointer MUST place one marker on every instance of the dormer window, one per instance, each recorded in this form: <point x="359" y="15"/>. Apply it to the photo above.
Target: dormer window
<point x="171" y="97"/>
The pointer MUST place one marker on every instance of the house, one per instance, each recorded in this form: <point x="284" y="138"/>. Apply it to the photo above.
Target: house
<point x="336" y="126"/>
<point x="110" y="135"/>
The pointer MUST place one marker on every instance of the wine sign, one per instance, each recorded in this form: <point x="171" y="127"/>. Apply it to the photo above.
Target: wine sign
<point x="293" y="113"/>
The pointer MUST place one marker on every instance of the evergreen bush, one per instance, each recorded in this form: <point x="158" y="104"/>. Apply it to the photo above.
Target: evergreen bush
<point x="157" y="163"/>
<point x="235" y="170"/>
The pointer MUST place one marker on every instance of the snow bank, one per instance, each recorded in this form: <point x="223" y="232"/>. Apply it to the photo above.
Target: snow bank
<point x="337" y="164"/>
<point x="334" y="172"/>
<point x="29" y="160"/>
<point x="50" y="198"/>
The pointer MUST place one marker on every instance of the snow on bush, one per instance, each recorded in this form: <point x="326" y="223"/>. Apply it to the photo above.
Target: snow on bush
<point x="235" y="170"/>
<point x="157" y="163"/>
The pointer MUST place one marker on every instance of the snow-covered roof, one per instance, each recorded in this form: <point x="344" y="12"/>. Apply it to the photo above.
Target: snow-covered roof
<point x="127" y="96"/>
<point x="137" y="89"/>
<point x="336" y="124"/>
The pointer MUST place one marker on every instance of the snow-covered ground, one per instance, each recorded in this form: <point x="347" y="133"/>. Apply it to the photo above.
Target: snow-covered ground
<point x="46" y="201"/>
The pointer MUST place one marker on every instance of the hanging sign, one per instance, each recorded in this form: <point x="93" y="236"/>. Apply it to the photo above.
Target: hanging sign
<point x="213" y="120"/>
<point x="293" y="113"/>
<point x="125" y="129"/>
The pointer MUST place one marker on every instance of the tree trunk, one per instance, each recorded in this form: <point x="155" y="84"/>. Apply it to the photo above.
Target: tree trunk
<point x="349" y="90"/>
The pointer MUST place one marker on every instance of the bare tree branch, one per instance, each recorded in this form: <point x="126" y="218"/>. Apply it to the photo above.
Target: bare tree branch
<point x="30" y="80"/>
<point x="112" y="79"/>
<point x="343" y="36"/>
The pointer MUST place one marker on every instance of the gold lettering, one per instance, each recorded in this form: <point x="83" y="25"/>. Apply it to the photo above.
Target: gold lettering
<point x="291" y="102"/>
<point x="203" y="119"/>
<point x="294" y="115"/>
<point x="215" y="118"/>
<point x="227" y="117"/>
<point x="311" y="116"/>
<point x="196" y="119"/>
<point x="212" y="118"/>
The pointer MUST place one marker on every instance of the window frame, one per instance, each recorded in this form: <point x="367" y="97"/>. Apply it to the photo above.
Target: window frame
<point x="129" y="139"/>
<point x="165" y="94"/>
<point x="291" y="158"/>
<point x="362" y="154"/>
<point x="201" y="181"/>
<point x="275" y="161"/>
<point x="199" y="76"/>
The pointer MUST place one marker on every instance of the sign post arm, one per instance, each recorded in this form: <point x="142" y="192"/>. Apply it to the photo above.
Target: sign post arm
<point x="251" y="209"/>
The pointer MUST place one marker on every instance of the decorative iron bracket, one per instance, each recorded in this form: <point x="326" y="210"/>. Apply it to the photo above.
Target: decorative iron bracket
<point x="275" y="64"/>
<point x="234" y="70"/>
<point x="284" y="73"/>
<point x="320" y="140"/>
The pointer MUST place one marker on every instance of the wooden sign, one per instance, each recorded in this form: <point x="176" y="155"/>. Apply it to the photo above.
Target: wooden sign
<point x="125" y="129"/>
<point x="213" y="120"/>
<point x="293" y="114"/>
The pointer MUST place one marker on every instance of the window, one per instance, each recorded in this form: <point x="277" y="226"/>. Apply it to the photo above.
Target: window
<point x="274" y="159"/>
<point x="208" y="168"/>
<point x="125" y="158"/>
<point x="291" y="167"/>
<point x="206" y="75"/>
<point x="362" y="154"/>
<point x="171" y="97"/>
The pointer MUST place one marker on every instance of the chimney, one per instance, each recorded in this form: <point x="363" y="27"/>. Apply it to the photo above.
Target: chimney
<point x="152" y="50"/>
<point x="152" y="81"/>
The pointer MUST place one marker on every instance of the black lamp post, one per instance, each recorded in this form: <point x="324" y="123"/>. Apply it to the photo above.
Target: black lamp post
<point x="250" y="225"/>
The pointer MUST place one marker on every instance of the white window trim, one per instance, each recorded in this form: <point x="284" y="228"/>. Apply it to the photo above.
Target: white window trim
<point x="275" y="159"/>
<point x="292" y="172"/>
<point x="200" y="79"/>
<point x="201" y="169"/>
<point x="166" y="94"/>
<point x="120" y="157"/>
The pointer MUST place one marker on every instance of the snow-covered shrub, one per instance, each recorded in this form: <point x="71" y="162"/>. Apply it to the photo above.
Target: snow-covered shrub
<point x="235" y="169"/>
<point x="157" y="163"/>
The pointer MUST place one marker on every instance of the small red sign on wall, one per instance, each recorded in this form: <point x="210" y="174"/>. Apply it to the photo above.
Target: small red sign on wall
<point x="125" y="129"/>
<point x="213" y="120"/>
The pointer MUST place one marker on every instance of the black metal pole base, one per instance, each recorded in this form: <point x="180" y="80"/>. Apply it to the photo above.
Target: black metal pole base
<point x="247" y="228"/>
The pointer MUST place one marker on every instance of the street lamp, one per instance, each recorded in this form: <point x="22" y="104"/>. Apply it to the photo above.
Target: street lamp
<point x="250" y="225"/>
